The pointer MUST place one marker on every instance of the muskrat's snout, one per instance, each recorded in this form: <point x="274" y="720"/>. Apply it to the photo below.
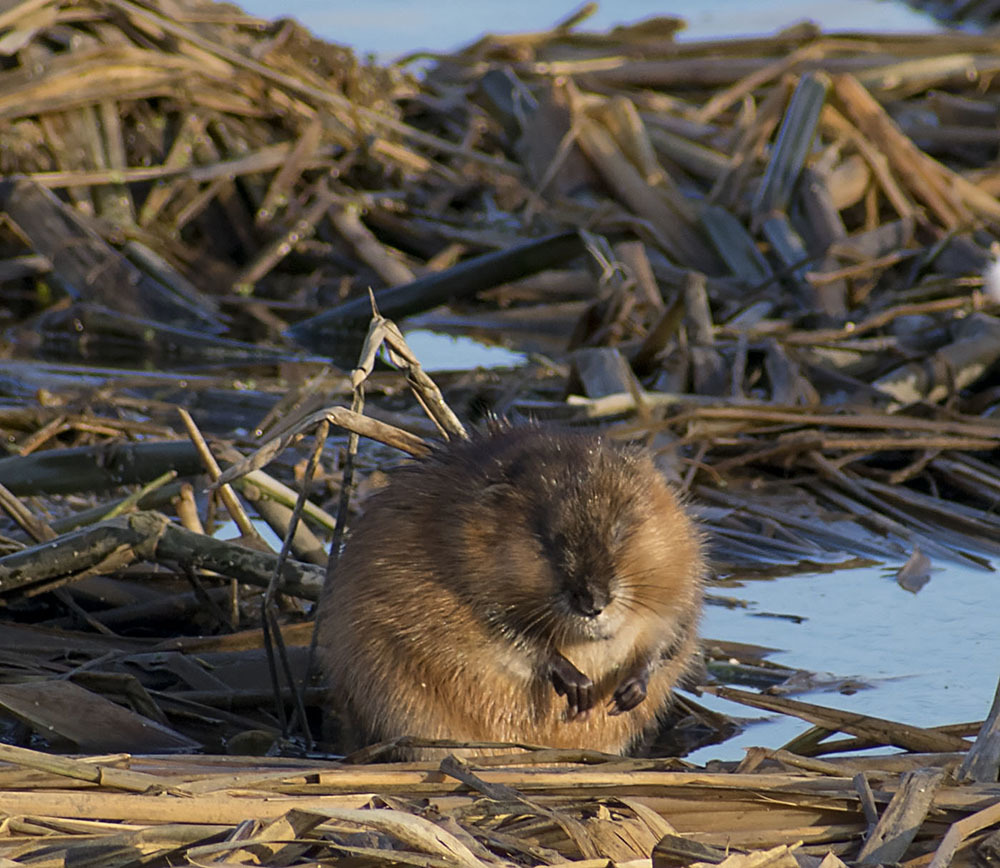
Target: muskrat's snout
<point x="589" y="601"/>
<point x="588" y="612"/>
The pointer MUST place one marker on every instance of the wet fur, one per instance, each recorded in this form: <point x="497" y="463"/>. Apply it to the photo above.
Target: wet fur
<point x="477" y="567"/>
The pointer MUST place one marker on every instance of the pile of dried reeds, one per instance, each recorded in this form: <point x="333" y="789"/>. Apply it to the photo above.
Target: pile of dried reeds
<point x="781" y="282"/>
<point x="766" y="257"/>
<point x="776" y="809"/>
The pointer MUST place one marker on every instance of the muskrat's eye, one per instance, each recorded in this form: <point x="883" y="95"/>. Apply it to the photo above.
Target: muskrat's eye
<point x="556" y="547"/>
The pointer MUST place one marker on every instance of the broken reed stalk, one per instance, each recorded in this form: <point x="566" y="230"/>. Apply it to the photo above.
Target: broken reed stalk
<point x="887" y="732"/>
<point x="269" y="615"/>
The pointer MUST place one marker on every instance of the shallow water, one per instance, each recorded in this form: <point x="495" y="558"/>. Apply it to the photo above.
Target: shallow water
<point x="438" y="352"/>
<point x="932" y="658"/>
<point x="390" y="28"/>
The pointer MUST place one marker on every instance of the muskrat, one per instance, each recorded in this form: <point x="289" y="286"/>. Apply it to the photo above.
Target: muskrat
<point x="501" y="573"/>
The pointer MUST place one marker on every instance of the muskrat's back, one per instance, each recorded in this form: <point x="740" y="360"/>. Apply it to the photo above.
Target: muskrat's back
<point x="525" y="586"/>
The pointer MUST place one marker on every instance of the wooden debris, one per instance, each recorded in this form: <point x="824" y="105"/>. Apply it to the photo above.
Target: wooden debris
<point x="87" y="721"/>
<point x="915" y="573"/>
<point x="902" y="819"/>
<point x="880" y="731"/>
<point x="982" y="762"/>
<point x="118" y="542"/>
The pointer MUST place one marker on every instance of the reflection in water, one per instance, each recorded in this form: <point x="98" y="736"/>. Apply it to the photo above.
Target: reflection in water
<point x="440" y="352"/>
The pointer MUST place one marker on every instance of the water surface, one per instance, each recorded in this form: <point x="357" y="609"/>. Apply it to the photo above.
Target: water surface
<point x="390" y="28"/>
<point x="931" y="657"/>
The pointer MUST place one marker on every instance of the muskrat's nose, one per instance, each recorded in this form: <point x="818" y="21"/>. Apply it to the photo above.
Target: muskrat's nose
<point x="590" y="602"/>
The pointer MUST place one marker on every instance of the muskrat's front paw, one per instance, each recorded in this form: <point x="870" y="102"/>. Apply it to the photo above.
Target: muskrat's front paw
<point x="575" y="686"/>
<point x="629" y="694"/>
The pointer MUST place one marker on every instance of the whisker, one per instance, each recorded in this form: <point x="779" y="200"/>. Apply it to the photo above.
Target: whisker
<point x="540" y="620"/>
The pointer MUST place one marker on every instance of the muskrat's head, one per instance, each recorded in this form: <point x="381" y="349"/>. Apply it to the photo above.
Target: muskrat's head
<point x="581" y="535"/>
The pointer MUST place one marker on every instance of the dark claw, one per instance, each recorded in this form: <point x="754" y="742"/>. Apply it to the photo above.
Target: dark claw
<point x="629" y="694"/>
<point x="574" y="685"/>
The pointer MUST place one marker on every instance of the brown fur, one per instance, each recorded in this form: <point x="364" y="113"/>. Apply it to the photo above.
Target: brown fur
<point x="477" y="568"/>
